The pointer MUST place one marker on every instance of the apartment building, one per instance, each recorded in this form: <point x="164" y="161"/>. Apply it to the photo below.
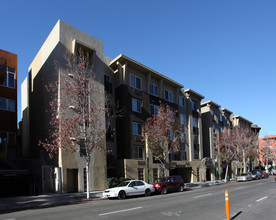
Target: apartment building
<point x="66" y="171"/>
<point x="8" y="103"/>
<point x="139" y="89"/>
<point x="267" y="151"/>
<point x="215" y="119"/>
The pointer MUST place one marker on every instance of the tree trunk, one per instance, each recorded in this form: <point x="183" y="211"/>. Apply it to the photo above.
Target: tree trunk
<point x="87" y="180"/>
<point x="226" y="172"/>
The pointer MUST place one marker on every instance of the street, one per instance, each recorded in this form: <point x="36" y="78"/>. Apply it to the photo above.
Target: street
<point x="253" y="200"/>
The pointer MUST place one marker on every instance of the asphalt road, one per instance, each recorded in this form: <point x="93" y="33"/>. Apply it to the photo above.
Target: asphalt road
<point x="253" y="200"/>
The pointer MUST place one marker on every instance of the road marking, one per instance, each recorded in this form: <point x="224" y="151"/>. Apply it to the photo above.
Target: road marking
<point x="125" y="210"/>
<point x="202" y="195"/>
<point x="261" y="199"/>
<point x="240" y="187"/>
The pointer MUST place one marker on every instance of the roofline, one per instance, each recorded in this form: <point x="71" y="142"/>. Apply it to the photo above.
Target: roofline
<point x="122" y="56"/>
<point x="211" y="103"/>
<point x="226" y="110"/>
<point x="194" y="93"/>
<point x="238" y="116"/>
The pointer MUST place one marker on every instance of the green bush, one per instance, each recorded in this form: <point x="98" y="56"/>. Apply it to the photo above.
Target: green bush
<point x="114" y="181"/>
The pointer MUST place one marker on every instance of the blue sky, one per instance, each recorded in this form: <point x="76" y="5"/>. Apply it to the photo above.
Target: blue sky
<point x="222" y="49"/>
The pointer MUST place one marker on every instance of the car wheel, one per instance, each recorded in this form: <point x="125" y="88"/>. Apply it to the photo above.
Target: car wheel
<point x="122" y="195"/>
<point x="164" y="190"/>
<point x="147" y="192"/>
<point x="181" y="188"/>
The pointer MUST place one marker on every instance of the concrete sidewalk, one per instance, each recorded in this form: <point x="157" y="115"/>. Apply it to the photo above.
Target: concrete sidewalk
<point x="12" y="204"/>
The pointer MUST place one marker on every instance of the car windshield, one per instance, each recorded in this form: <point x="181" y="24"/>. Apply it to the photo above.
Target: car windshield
<point x="125" y="183"/>
<point x="160" y="180"/>
<point x="244" y="174"/>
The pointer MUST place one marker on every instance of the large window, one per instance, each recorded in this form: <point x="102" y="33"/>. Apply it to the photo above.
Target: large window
<point x="9" y="80"/>
<point x="169" y="95"/>
<point x="137" y="128"/>
<point x="7" y="138"/>
<point x="135" y="82"/>
<point x="195" y="122"/>
<point x="7" y="104"/>
<point x="181" y="101"/>
<point x="153" y="109"/>
<point x="153" y="89"/>
<point x="136" y="105"/>
<point x="140" y="174"/>
<point x="138" y="152"/>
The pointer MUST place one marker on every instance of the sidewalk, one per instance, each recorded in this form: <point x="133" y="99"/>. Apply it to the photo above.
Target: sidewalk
<point x="12" y="204"/>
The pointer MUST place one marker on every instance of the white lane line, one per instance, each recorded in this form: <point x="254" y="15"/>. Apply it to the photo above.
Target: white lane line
<point x="261" y="199"/>
<point x="240" y="187"/>
<point x="202" y="195"/>
<point x="125" y="210"/>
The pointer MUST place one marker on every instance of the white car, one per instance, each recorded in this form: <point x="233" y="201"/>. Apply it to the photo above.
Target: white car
<point x="245" y="177"/>
<point x="129" y="188"/>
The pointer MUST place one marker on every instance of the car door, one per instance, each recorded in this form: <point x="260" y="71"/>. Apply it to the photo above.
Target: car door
<point x="141" y="187"/>
<point x="132" y="189"/>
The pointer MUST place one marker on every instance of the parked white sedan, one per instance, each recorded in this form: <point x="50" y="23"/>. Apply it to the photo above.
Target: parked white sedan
<point x="129" y="188"/>
<point x="245" y="177"/>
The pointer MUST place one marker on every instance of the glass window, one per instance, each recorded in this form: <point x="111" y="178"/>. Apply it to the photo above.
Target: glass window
<point x="138" y="152"/>
<point x="11" y="138"/>
<point x="153" y="109"/>
<point x="140" y="174"/>
<point x="9" y="80"/>
<point x="136" y="105"/>
<point x="168" y="95"/>
<point x="153" y="89"/>
<point x="194" y="106"/>
<point x="182" y="119"/>
<point x="11" y="105"/>
<point x="181" y="101"/>
<point x="135" y="82"/>
<point x="137" y="128"/>
<point x="195" y="123"/>
<point x="3" y="104"/>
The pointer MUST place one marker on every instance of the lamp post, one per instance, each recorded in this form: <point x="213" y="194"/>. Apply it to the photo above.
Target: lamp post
<point x="216" y="164"/>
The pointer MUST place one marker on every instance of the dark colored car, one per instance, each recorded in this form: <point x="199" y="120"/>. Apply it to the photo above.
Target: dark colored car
<point x="164" y="185"/>
<point x="256" y="175"/>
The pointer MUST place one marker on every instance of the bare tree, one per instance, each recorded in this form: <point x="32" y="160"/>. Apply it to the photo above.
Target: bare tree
<point x="162" y="135"/>
<point x="79" y="117"/>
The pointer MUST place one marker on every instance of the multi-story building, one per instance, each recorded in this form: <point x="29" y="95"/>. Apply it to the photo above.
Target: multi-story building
<point x="139" y="89"/>
<point x="214" y="120"/>
<point x="66" y="171"/>
<point x="267" y="150"/>
<point x="8" y="103"/>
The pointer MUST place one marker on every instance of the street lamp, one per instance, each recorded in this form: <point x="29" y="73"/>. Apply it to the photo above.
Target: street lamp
<point x="216" y="164"/>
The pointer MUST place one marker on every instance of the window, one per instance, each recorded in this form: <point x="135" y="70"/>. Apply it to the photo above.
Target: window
<point x="136" y="105"/>
<point x="220" y="117"/>
<point x="183" y="136"/>
<point x="135" y="82"/>
<point x="107" y="84"/>
<point x="214" y="128"/>
<point x="182" y="119"/>
<point x="168" y="95"/>
<point x="137" y="128"/>
<point x="194" y="106"/>
<point x="181" y="101"/>
<point x="7" y="137"/>
<point x="153" y="109"/>
<point x="7" y="104"/>
<point x="153" y="89"/>
<point x="171" y="135"/>
<point x="9" y="80"/>
<point x="195" y="123"/>
<point x="140" y="174"/>
<point x="138" y="152"/>
<point x="155" y="173"/>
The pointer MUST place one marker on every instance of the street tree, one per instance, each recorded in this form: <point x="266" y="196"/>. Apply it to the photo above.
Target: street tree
<point x="162" y="134"/>
<point x="266" y="152"/>
<point x="78" y="114"/>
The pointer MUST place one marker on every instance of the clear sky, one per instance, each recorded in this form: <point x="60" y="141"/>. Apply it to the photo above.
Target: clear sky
<point x="222" y="49"/>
